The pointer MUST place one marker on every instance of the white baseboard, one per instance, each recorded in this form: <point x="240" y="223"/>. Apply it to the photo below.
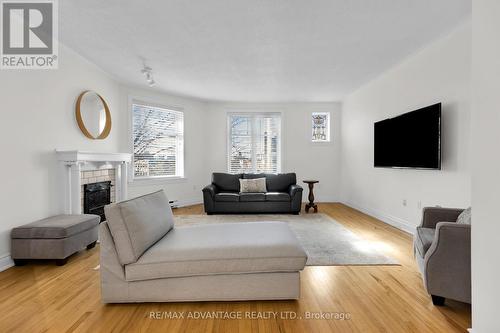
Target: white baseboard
<point x="189" y="202"/>
<point x="6" y="262"/>
<point x="395" y="221"/>
<point x="319" y="199"/>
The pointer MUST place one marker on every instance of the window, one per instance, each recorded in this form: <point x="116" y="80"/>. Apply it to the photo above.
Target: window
<point x="158" y="141"/>
<point x="254" y="143"/>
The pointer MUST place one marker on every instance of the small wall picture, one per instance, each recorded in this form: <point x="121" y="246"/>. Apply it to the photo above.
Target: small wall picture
<point x="320" y="127"/>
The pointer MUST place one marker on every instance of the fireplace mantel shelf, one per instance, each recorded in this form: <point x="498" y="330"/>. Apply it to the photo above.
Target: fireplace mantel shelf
<point x="85" y="156"/>
<point x="73" y="162"/>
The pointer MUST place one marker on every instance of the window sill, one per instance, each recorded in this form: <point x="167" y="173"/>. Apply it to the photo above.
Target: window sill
<point x="157" y="180"/>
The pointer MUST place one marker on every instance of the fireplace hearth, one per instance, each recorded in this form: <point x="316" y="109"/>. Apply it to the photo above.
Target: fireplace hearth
<point x="95" y="197"/>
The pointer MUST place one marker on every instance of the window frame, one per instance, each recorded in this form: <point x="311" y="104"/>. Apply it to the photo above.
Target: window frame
<point x="253" y="114"/>
<point x="133" y="100"/>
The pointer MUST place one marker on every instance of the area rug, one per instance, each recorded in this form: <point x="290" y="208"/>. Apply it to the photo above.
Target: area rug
<point x="326" y="241"/>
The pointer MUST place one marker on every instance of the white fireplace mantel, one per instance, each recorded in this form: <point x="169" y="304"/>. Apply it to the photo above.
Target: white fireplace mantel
<point x="73" y="162"/>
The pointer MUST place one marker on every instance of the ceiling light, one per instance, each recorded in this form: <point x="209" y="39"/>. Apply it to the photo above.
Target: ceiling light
<point x="148" y="73"/>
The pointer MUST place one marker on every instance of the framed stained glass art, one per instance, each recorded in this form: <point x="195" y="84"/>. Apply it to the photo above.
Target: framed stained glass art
<point x="320" y="122"/>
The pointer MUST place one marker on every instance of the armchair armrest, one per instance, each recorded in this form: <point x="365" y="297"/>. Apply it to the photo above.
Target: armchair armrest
<point x="210" y="189"/>
<point x="433" y="215"/>
<point x="294" y="189"/>
<point x="448" y="262"/>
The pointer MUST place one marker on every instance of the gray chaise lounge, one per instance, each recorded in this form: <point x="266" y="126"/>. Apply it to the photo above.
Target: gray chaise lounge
<point x="144" y="258"/>
<point x="442" y="251"/>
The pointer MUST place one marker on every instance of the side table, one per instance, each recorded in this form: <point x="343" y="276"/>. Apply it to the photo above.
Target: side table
<point x="311" y="203"/>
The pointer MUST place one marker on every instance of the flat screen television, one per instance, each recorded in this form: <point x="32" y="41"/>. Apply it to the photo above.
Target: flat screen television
<point x="411" y="140"/>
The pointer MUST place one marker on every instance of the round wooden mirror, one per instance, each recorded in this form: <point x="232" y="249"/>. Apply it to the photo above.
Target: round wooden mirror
<point x="93" y="116"/>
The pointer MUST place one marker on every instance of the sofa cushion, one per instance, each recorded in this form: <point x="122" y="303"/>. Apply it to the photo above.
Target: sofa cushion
<point x="465" y="217"/>
<point x="226" y="182"/>
<point x="252" y="197"/>
<point x="139" y="223"/>
<point x="280" y="182"/>
<point x="227" y="196"/>
<point x="253" y="185"/>
<point x="423" y="239"/>
<point x="275" y="182"/>
<point x="228" y="248"/>
<point x="277" y="196"/>
<point x="59" y="226"/>
<point x="254" y="175"/>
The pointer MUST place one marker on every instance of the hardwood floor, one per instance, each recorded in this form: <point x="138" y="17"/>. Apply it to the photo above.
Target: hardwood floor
<point x="42" y="297"/>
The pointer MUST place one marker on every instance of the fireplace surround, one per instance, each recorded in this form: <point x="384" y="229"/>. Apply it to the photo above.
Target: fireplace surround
<point x="74" y="169"/>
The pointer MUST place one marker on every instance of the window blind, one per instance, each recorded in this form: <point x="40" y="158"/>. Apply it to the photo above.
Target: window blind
<point x="158" y="138"/>
<point x="254" y="143"/>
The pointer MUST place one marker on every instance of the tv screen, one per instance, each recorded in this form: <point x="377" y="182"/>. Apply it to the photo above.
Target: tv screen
<point x="411" y="140"/>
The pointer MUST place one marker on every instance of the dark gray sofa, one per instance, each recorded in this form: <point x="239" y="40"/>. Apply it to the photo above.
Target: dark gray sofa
<point x="223" y="195"/>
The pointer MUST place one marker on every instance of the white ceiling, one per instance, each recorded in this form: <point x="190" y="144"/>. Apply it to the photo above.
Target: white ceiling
<point x="255" y="50"/>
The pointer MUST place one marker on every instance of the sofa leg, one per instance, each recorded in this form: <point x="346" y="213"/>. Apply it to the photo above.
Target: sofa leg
<point x="437" y="300"/>
<point x="295" y="213"/>
<point x="91" y="245"/>
<point x="20" y="262"/>
<point x="61" y="262"/>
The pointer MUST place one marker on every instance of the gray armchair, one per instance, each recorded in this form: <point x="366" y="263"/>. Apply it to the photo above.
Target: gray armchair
<point x="442" y="251"/>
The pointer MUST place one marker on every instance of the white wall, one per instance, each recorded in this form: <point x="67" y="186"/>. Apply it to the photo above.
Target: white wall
<point x="36" y="117"/>
<point x="486" y="166"/>
<point x="186" y="191"/>
<point x="438" y="73"/>
<point x="299" y="154"/>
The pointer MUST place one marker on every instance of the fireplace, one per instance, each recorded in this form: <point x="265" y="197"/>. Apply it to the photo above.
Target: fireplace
<point x="95" y="197"/>
<point x="79" y="168"/>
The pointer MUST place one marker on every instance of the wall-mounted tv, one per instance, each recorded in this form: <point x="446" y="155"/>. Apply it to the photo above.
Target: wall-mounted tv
<point x="411" y="140"/>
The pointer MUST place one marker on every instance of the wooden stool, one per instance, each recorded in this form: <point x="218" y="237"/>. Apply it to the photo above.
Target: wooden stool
<point x="311" y="203"/>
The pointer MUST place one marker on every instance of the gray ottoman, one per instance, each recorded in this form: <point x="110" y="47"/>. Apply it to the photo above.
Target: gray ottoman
<point x="55" y="237"/>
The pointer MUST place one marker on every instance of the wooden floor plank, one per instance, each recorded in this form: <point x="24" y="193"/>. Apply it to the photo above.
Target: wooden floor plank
<point x="42" y="297"/>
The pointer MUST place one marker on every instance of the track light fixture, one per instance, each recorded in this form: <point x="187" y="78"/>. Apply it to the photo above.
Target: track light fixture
<point x="148" y="73"/>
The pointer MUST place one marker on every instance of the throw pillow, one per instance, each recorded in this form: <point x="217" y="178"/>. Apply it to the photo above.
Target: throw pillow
<point x="465" y="217"/>
<point x="253" y="185"/>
